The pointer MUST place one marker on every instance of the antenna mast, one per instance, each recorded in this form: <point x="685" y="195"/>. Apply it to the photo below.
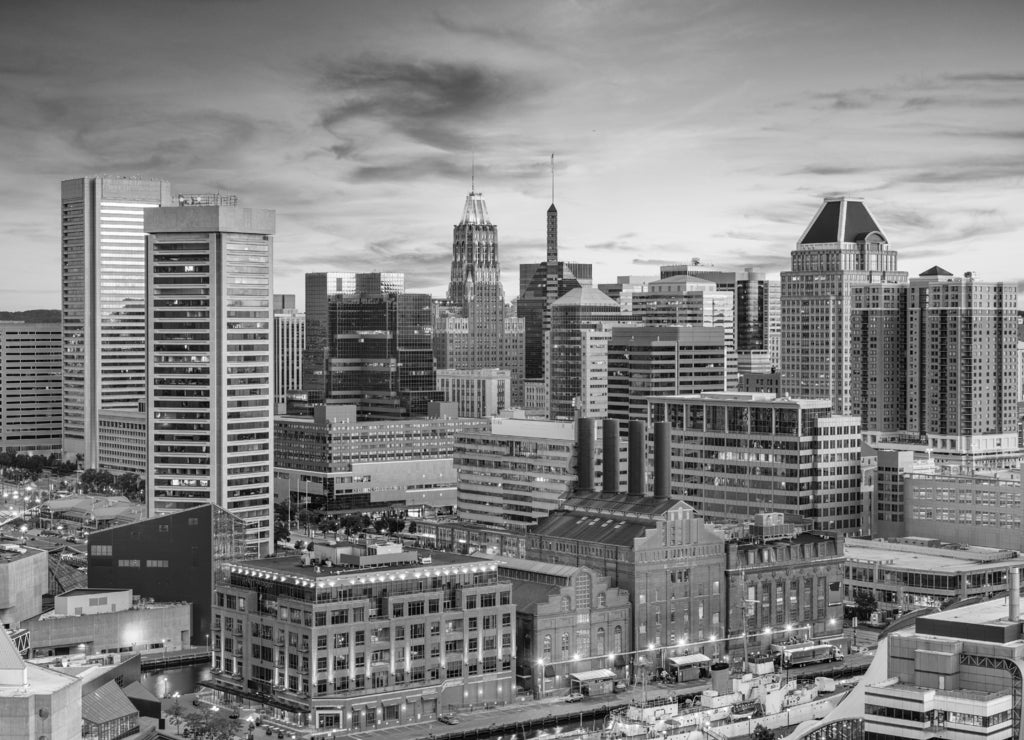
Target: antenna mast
<point x="552" y="178"/>
<point x="472" y="187"/>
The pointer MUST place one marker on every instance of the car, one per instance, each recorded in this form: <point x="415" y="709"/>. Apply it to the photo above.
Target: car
<point x="196" y="703"/>
<point x="620" y="686"/>
<point x="269" y="731"/>
<point x="448" y="719"/>
<point x="573" y="698"/>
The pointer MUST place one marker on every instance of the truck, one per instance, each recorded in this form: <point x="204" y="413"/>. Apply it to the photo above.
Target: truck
<point x="808" y="654"/>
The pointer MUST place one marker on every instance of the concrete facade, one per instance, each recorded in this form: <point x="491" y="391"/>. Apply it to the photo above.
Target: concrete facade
<point x="24" y="574"/>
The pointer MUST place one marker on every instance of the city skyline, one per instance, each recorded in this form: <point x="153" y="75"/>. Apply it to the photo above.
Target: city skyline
<point x="680" y="130"/>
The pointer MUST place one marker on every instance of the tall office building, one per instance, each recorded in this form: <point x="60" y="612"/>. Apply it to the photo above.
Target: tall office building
<point x="962" y="364"/>
<point x="30" y="387"/>
<point x="645" y="361"/>
<point x="577" y="374"/>
<point x="210" y="398"/>
<point x="380" y="353"/>
<point x="843" y="247"/>
<point x="103" y="301"/>
<point x="289" y="345"/>
<point x="472" y="331"/>
<point x="735" y="455"/>
<point x="687" y="300"/>
<point x="757" y="321"/>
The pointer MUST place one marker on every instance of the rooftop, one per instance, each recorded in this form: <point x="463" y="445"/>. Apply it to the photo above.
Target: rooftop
<point x="841" y="220"/>
<point x="930" y="559"/>
<point x="282" y="568"/>
<point x="475" y="211"/>
<point x="587" y="297"/>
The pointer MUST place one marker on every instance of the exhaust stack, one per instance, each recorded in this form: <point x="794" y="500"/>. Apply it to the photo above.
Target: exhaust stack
<point x="662" y="459"/>
<point x="637" y="457"/>
<point x="610" y="468"/>
<point x="586" y="457"/>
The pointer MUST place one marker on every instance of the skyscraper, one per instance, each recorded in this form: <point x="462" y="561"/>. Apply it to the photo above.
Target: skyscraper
<point x="380" y="353"/>
<point x="30" y="390"/>
<point x="103" y="287"/>
<point x="757" y="321"/>
<point x="210" y="398"/>
<point x="289" y="345"/>
<point x="841" y="248"/>
<point x="471" y="331"/>
<point x="962" y="365"/>
<point x="577" y="374"/>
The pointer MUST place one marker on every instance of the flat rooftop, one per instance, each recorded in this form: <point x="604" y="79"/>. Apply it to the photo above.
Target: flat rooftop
<point x="292" y="566"/>
<point x="931" y="559"/>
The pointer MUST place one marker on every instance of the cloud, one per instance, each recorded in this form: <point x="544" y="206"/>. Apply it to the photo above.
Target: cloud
<point x="995" y="77"/>
<point x="435" y="103"/>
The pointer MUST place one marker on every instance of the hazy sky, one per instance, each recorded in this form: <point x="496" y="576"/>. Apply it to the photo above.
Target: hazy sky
<point x="680" y="129"/>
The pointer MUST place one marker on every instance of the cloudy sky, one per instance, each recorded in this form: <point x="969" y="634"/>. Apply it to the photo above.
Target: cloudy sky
<point x="681" y="129"/>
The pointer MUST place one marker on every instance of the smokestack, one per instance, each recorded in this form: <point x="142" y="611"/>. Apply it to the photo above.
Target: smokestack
<point x="637" y="457"/>
<point x="1014" y="594"/>
<point x="662" y="459"/>
<point x="610" y="471"/>
<point x="586" y="455"/>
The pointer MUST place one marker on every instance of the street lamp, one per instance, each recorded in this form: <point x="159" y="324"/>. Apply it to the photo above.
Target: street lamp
<point x="540" y="678"/>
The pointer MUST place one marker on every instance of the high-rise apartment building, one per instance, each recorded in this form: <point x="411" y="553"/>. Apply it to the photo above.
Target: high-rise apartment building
<point x="103" y="300"/>
<point x="735" y="455"/>
<point x="843" y="247"/>
<point x="210" y="399"/>
<point x="289" y="345"/>
<point x="878" y="359"/>
<point x="577" y="374"/>
<point x="380" y="352"/>
<point x="30" y="387"/>
<point x="645" y="361"/>
<point x="472" y="330"/>
<point x="477" y="393"/>
<point x="962" y="363"/>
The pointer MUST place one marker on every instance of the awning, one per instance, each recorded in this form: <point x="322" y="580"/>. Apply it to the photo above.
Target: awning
<point x="602" y="674"/>
<point x="684" y="660"/>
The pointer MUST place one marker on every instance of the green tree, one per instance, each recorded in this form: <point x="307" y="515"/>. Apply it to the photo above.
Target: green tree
<point x="864" y="603"/>
<point x="763" y="733"/>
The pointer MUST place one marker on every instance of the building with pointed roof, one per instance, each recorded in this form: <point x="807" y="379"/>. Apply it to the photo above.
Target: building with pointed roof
<point x="843" y="247"/>
<point x="471" y="330"/>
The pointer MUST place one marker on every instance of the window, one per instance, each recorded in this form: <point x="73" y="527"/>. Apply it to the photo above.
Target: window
<point x="102" y="550"/>
<point x="156" y="564"/>
<point x="134" y="563"/>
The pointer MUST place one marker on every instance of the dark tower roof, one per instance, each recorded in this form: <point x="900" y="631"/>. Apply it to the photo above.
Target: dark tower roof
<point x="841" y="219"/>
<point x="936" y="271"/>
<point x="552" y="209"/>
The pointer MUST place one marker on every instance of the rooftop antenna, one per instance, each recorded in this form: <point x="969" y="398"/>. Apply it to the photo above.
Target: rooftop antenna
<point x="552" y="178"/>
<point x="472" y="187"/>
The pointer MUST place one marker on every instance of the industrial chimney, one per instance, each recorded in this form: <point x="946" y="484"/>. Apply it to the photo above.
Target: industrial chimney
<point x="662" y="459"/>
<point x="1014" y="594"/>
<point x="637" y="457"/>
<point x="586" y="454"/>
<point x="610" y="469"/>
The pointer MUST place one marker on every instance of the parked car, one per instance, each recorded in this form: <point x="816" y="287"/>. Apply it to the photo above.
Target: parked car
<point x="574" y="697"/>
<point x="448" y="719"/>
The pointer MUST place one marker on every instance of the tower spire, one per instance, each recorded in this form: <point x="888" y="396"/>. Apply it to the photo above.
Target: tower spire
<point x="472" y="186"/>
<point x="552" y="179"/>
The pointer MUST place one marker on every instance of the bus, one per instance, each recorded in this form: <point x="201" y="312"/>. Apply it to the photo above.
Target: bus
<point x="808" y="654"/>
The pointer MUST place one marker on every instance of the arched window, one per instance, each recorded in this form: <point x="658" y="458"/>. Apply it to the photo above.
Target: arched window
<point x="617" y="639"/>
<point x="602" y="647"/>
<point x="565" y="646"/>
<point x="546" y="652"/>
<point x="583" y="591"/>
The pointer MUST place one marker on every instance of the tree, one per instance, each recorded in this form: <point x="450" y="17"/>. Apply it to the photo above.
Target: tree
<point x="763" y="733"/>
<point x="865" y="603"/>
<point x="281" y="532"/>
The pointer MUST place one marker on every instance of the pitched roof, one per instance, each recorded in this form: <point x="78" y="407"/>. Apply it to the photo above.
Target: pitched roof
<point x="106" y="704"/>
<point x="475" y="211"/>
<point x="841" y="219"/>
<point x="587" y="297"/>
<point x="936" y="271"/>
<point x="10" y="658"/>
<point x="589" y="528"/>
